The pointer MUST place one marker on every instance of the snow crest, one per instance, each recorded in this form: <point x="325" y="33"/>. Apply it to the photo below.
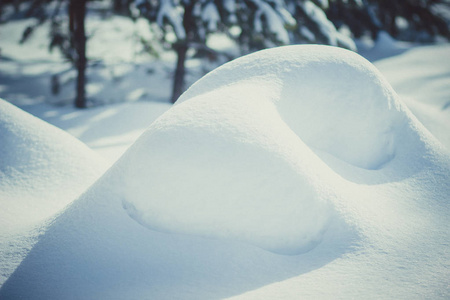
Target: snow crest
<point x="238" y="157"/>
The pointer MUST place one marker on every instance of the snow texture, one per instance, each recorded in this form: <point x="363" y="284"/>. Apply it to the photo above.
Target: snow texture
<point x="250" y="139"/>
<point x="42" y="169"/>
<point x="257" y="153"/>
<point x="42" y="159"/>
<point x="310" y="84"/>
<point x="421" y="75"/>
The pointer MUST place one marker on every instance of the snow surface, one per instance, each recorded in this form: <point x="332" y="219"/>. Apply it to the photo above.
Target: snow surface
<point x="243" y="159"/>
<point x="422" y="76"/>
<point x="108" y="130"/>
<point x="42" y="169"/>
<point x="116" y="73"/>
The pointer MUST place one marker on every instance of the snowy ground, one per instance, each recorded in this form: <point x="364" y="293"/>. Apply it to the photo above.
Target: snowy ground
<point x="240" y="190"/>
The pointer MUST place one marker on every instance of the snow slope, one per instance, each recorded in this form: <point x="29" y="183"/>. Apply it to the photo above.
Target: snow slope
<point x="422" y="76"/>
<point x="42" y="169"/>
<point x="108" y="130"/>
<point x="300" y="150"/>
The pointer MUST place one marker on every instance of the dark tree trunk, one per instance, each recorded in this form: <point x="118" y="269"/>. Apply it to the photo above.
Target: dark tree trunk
<point x="77" y="13"/>
<point x="181" y="48"/>
<point x="122" y="7"/>
<point x="178" y="80"/>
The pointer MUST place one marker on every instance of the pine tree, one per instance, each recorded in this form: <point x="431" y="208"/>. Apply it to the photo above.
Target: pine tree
<point x="77" y="13"/>
<point x="70" y="40"/>
<point x="314" y="26"/>
<point x="122" y="7"/>
<point x="410" y="20"/>
<point x="261" y="23"/>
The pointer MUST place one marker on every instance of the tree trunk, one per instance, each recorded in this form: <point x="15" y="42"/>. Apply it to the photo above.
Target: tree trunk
<point x="77" y="13"/>
<point x="122" y="7"/>
<point x="178" y="80"/>
<point x="181" y="48"/>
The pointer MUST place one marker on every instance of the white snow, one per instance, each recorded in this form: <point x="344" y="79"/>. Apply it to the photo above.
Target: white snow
<point x="360" y="107"/>
<point x="51" y="167"/>
<point x="108" y="130"/>
<point x="170" y="13"/>
<point x="325" y="26"/>
<point x="211" y="16"/>
<point x="274" y="20"/>
<point x="421" y="76"/>
<point x="230" y="6"/>
<point x="124" y="73"/>
<point x="295" y="172"/>
<point x="243" y="159"/>
<point x="42" y="169"/>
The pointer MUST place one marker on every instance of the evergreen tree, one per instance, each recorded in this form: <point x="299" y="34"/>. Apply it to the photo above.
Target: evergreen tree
<point x="314" y="26"/>
<point x="261" y="23"/>
<point x="121" y="7"/>
<point x="356" y="15"/>
<point x="67" y="31"/>
<point x="77" y="13"/>
<point x="411" y="20"/>
<point x="255" y="24"/>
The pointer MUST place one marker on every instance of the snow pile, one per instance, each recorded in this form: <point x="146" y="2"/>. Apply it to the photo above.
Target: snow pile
<point x="310" y="84"/>
<point x="246" y="139"/>
<point x="268" y="151"/>
<point x="42" y="169"/>
<point x="51" y="167"/>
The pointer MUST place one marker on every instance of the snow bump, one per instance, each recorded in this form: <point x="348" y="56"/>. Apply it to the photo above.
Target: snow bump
<point x="51" y="167"/>
<point x="237" y="157"/>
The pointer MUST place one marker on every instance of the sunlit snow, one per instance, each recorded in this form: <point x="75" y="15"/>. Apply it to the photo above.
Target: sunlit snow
<point x="294" y="172"/>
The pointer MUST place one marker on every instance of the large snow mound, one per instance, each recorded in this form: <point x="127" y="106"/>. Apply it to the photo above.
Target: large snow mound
<point x="225" y="163"/>
<point x="333" y="99"/>
<point x="237" y="157"/>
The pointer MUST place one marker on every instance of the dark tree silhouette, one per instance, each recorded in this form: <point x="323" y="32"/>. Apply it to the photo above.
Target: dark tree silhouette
<point x="410" y="20"/>
<point x="71" y="40"/>
<point x="191" y="21"/>
<point x="77" y="13"/>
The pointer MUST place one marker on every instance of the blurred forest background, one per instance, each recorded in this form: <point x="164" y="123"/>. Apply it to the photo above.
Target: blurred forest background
<point x="191" y="37"/>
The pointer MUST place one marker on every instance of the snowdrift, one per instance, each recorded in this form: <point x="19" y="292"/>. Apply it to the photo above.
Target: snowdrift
<point x="299" y="150"/>
<point x="51" y="167"/>
<point x="421" y="76"/>
<point x="239" y="155"/>
<point x="42" y="169"/>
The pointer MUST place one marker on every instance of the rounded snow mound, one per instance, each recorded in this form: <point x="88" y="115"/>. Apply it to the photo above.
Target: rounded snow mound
<point x="236" y="156"/>
<point x="332" y="98"/>
<point x="51" y="168"/>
